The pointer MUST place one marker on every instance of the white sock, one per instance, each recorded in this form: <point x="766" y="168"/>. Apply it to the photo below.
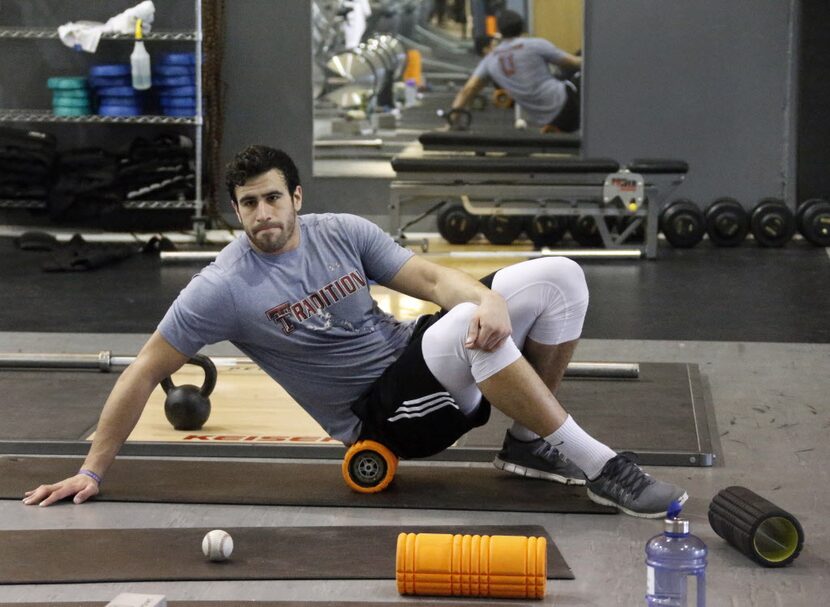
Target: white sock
<point x="519" y="432"/>
<point x="581" y="448"/>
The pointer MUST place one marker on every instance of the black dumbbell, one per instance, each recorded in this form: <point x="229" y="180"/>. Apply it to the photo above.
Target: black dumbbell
<point x="187" y="407"/>
<point x="727" y="222"/>
<point x="772" y="223"/>
<point x="502" y="229"/>
<point x="459" y="119"/>
<point x="813" y="221"/>
<point x="585" y="231"/>
<point x="682" y="223"/>
<point x="456" y="225"/>
<point x="545" y="230"/>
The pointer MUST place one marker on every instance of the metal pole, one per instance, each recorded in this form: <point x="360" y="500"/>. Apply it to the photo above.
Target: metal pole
<point x="105" y="361"/>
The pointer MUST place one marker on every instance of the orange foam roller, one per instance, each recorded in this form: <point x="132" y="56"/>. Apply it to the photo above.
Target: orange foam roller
<point x="368" y="467"/>
<point x="497" y="566"/>
<point x="502" y="99"/>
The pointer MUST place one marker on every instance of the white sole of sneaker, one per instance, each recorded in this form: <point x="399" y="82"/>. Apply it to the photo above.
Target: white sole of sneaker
<point x="606" y="502"/>
<point x="531" y="473"/>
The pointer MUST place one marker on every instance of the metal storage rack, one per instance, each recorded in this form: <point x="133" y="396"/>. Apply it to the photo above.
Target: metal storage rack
<point x="32" y="116"/>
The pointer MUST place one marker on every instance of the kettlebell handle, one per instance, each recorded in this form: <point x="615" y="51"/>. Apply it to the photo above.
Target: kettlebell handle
<point x="200" y="360"/>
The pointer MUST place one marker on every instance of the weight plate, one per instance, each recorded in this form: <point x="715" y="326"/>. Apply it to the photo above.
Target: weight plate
<point x="727" y="222"/>
<point x="585" y="232"/>
<point x="456" y="225"/>
<point x="683" y="223"/>
<point x="546" y="230"/>
<point x="772" y="223"/>
<point x="815" y="222"/>
<point x="501" y="229"/>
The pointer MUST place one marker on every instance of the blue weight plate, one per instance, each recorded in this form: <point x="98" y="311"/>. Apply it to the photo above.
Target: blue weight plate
<point x="179" y="112"/>
<point x="65" y="102"/>
<point x="97" y="82"/>
<point x="177" y="101"/>
<point x="174" y="70"/>
<point x="176" y="91"/>
<point x="119" y="110"/>
<point x="177" y="59"/>
<point x="112" y="69"/>
<point x="120" y="100"/>
<point x="71" y="111"/>
<point x="173" y="81"/>
<point x="66" y="82"/>
<point x="119" y="91"/>
<point x="70" y="93"/>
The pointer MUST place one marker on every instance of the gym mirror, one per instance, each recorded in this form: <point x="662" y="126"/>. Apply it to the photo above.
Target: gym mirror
<point x="384" y="71"/>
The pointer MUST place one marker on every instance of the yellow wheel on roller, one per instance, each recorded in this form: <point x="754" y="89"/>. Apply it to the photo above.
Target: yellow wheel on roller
<point x="369" y="467"/>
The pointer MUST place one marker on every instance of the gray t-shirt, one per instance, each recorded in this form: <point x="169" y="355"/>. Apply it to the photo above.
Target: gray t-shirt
<point x="305" y="316"/>
<point x="520" y="66"/>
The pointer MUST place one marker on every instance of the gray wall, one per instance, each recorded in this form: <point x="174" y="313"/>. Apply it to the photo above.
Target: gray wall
<point x="707" y="81"/>
<point x="267" y="71"/>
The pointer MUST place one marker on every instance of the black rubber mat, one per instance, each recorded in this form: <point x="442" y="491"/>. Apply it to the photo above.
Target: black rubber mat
<point x="64" y="406"/>
<point x="706" y="293"/>
<point x="259" y="553"/>
<point x="303" y="484"/>
<point x="662" y="416"/>
<point x="52" y="405"/>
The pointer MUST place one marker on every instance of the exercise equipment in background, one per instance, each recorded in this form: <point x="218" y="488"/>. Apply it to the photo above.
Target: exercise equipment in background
<point x="727" y="222"/>
<point x="772" y="223"/>
<point x="755" y="526"/>
<point x="682" y="223"/>
<point x="456" y="225"/>
<point x="187" y="407"/>
<point x="813" y="221"/>
<point x="458" y="119"/>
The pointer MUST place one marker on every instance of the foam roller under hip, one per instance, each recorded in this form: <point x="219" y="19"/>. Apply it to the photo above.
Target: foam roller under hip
<point x="498" y="566"/>
<point x="761" y="530"/>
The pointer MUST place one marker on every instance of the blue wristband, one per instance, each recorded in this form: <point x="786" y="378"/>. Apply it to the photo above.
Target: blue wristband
<point x="90" y="474"/>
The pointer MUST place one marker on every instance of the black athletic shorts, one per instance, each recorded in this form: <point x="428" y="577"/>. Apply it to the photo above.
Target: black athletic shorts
<point x="408" y="410"/>
<point x="567" y="120"/>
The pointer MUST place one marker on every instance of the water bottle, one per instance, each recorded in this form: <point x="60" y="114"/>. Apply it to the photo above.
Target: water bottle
<point x="671" y="558"/>
<point x="410" y="93"/>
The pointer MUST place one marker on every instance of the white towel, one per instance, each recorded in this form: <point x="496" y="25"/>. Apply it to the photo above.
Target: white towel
<point x="85" y="35"/>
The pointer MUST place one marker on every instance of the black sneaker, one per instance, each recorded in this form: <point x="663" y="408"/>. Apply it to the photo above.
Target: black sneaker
<point x="623" y="484"/>
<point x="537" y="459"/>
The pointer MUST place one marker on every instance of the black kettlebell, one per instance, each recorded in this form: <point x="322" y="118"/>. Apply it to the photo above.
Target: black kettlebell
<point x="187" y="407"/>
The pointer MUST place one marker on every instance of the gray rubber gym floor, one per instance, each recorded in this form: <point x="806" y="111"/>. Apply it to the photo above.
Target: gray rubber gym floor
<point x="773" y="415"/>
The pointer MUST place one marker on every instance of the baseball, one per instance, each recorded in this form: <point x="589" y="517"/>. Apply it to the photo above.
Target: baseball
<point x="520" y="124"/>
<point x="217" y="545"/>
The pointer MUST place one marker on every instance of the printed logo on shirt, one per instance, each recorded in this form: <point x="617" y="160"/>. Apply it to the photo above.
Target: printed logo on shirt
<point x="286" y="314"/>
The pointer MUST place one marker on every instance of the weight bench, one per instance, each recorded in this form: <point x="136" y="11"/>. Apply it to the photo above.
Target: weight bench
<point x="534" y="185"/>
<point x="513" y="144"/>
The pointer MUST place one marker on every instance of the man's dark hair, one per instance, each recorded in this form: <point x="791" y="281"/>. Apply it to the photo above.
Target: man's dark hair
<point x="510" y="24"/>
<point x="256" y="160"/>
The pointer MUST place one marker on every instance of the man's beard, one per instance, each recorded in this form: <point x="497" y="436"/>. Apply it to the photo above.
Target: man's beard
<point x="267" y="243"/>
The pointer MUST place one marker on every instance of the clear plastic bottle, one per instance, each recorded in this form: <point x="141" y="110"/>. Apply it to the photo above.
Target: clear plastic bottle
<point x="671" y="558"/>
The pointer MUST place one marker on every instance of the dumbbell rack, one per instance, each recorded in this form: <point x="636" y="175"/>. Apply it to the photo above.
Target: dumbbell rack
<point x="533" y="198"/>
<point x="35" y="116"/>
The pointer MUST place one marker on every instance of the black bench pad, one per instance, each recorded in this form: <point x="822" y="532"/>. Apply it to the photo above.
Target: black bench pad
<point x="653" y="166"/>
<point x="476" y="141"/>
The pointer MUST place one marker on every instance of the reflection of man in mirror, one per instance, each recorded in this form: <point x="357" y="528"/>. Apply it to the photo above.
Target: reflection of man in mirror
<point x="354" y="25"/>
<point x="521" y="66"/>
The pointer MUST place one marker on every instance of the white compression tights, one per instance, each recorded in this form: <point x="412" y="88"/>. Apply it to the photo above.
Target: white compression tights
<point x="546" y="298"/>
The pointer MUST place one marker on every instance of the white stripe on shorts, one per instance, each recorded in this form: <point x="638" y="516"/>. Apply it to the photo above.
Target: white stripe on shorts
<point x="425" y="405"/>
